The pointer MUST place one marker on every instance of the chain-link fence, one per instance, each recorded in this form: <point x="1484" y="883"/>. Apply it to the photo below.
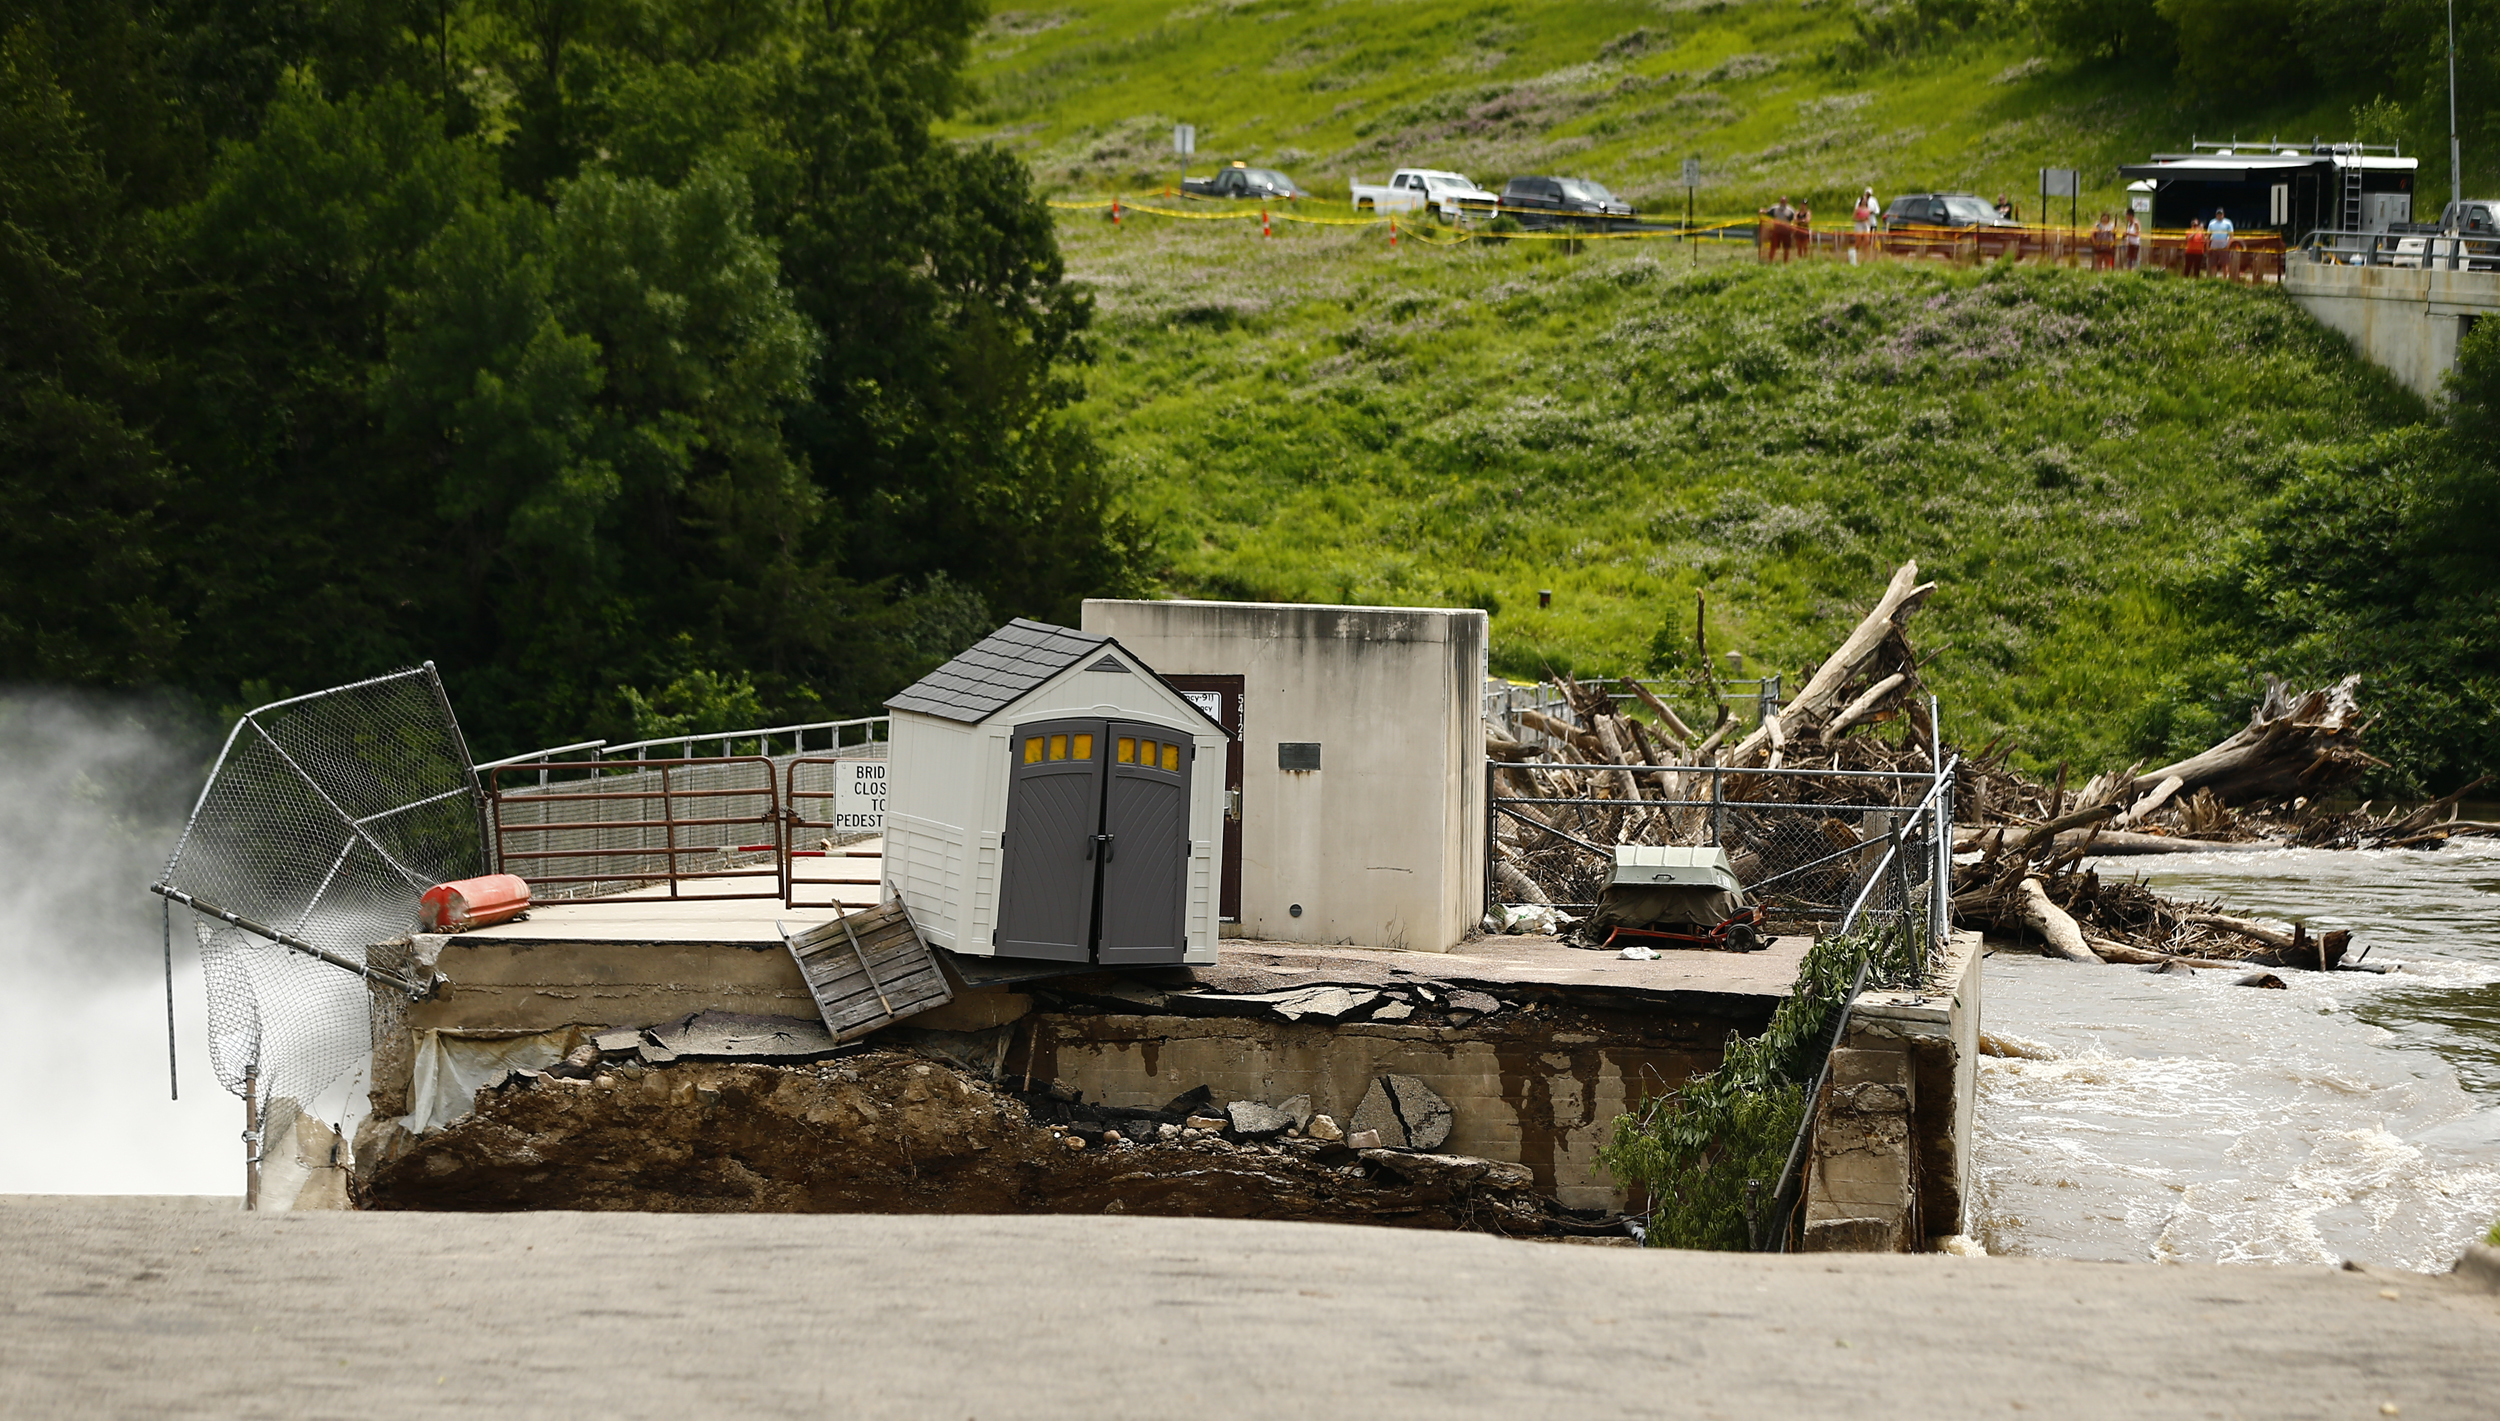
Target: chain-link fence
<point x="324" y="820"/>
<point x="1811" y="847"/>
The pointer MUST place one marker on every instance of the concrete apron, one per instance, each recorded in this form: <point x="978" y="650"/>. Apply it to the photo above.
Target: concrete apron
<point x="1888" y="1168"/>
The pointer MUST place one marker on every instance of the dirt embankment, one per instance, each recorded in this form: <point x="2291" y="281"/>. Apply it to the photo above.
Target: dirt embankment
<point x="889" y="1132"/>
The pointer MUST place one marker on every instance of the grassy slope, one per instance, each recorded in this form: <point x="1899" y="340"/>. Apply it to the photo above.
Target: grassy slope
<point x="1772" y="96"/>
<point x="1317" y="418"/>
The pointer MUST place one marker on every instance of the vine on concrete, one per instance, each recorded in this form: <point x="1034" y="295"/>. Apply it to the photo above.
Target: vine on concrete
<point x="1696" y="1149"/>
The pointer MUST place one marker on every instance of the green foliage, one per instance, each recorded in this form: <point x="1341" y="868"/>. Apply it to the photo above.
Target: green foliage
<point x="1710" y="1153"/>
<point x="637" y="363"/>
<point x="2384" y="560"/>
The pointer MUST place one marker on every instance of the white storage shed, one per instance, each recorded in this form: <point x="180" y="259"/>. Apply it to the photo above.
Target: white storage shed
<point x="1046" y="800"/>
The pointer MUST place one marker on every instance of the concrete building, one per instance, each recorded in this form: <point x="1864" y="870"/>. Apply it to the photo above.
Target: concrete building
<point x="1356" y="792"/>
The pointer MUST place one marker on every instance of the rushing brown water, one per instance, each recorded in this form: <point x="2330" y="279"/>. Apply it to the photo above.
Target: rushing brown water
<point x="2351" y="1116"/>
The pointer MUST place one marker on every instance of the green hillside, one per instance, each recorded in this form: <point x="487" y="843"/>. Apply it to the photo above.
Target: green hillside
<point x="1319" y="418"/>
<point x="1315" y="418"/>
<point x="1813" y="100"/>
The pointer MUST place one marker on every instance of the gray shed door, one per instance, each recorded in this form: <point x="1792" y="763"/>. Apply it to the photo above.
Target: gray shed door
<point x="1145" y="876"/>
<point x="1054" y="810"/>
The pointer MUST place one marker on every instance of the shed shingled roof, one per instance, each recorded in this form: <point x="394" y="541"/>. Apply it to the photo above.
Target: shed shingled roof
<point x="997" y="671"/>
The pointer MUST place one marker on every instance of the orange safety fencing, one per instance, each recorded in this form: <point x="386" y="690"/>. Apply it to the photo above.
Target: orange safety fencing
<point x="2253" y="256"/>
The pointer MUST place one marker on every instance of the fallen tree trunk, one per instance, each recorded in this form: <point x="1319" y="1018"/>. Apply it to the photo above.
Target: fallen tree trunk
<point x="2110" y="843"/>
<point x="2119" y="952"/>
<point x="2051" y="923"/>
<point x="2294" y="744"/>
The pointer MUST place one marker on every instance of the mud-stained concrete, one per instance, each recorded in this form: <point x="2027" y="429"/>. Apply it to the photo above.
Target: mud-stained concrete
<point x="881" y="1131"/>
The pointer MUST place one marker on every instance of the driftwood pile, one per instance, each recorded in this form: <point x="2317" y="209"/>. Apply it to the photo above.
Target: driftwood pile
<point x="1870" y="679"/>
<point x="2021" y="843"/>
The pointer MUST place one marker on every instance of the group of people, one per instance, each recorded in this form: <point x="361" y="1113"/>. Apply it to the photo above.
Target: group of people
<point x="1787" y="229"/>
<point x="2114" y="249"/>
<point x="2209" y="250"/>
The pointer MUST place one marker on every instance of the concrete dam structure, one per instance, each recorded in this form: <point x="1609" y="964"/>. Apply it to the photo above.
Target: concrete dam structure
<point x="2406" y="320"/>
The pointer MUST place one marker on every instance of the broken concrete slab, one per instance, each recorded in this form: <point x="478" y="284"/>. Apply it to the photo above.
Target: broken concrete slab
<point x="736" y="1036"/>
<point x="1299" y="1110"/>
<point x="1253" y="1120"/>
<point x="1406" y="1113"/>
<point x="1452" y="1171"/>
<point x="1326" y="1002"/>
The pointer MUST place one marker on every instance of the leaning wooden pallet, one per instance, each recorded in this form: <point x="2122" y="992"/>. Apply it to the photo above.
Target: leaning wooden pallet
<point x="868" y="969"/>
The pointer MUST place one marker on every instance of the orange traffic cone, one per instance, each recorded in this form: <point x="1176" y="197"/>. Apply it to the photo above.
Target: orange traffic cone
<point x="1264" y="229"/>
<point x="1393" y="234"/>
<point x="1115" y="212"/>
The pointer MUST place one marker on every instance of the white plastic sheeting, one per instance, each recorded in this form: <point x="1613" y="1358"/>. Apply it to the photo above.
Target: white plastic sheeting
<point x="450" y="1066"/>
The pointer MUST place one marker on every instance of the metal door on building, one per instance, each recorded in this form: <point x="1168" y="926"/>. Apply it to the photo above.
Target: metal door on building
<point x="1221" y="698"/>
<point x="1095" y="855"/>
<point x="1048" y="852"/>
<point x="1145" y="846"/>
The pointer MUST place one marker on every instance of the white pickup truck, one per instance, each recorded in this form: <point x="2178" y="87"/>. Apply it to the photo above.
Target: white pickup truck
<point x="1414" y="189"/>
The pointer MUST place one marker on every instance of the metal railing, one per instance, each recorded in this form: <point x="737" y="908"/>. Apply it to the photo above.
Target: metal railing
<point x="601" y="822"/>
<point x="801" y="831"/>
<point x="1904" y="909"/>
<point x="2431" y="251"/>
<point x="687" y="825"/>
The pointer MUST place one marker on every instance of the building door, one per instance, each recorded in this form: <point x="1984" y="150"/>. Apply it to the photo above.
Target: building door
<point x="1221" y="698"/>
<point x="1145" y="846"/>
<point x="1048" y="853"/>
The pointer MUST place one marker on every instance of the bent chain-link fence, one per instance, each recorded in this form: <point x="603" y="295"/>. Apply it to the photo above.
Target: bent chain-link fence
<point x="325" y="818"/>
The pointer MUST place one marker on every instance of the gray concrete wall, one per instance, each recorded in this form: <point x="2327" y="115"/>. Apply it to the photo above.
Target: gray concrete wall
<point x="1383" y="845"/>
<point x="1891" y="1163"/>
<point x="2408" y="322"/>
<point x="1544" y="1099"/>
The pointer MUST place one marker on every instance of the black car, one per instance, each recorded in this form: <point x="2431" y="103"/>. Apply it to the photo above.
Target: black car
<point x="1242" y="180"/>
<point x="1942" y="223"/>
<point x="1943" y="209"/>
<point x="1555" y="202"/>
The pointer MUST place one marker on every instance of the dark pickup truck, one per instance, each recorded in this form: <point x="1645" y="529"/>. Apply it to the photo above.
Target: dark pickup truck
<point x="1561" y="202"/>
<point x="1241" y="180"/>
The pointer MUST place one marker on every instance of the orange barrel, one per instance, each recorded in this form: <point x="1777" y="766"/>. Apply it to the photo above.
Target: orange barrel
<point x="472" y="903"/>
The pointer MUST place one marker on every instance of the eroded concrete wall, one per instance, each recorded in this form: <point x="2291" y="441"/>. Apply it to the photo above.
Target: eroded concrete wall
<point x="1891" y="1162"/>
<point x="1519" y="1092"/>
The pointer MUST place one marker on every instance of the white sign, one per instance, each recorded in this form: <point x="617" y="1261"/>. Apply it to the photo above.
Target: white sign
<point x="1212" y="702"/>
<point x="2059" y="182"/>
<point x="859" y="797"/>
<point x="1184" y="138"/>
<point x="1692" y="172"/>
<point x="2141" y="203"/>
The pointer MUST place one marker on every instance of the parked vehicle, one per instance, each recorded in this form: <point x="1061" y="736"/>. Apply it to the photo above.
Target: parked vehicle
<point x="2466" y="237"/>
<point x="1242" y="180"/>
<point x="1939" y="223"/>
<point x="1414" y="189"/>
<point x="1560" y="202"/>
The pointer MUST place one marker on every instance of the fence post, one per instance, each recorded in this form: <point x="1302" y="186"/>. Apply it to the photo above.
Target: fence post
<point x="1718" y="807"/>
<point x="1491" y="769"/>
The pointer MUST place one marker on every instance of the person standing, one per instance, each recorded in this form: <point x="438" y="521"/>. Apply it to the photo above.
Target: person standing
<point x="2104" y="244"/>
<point x="1775" y="223"/>
<point x="1801" y="242"/>
<point x="2006" y="208"/>
<point x="1862" y="225"/>
<point x="2193" y="263"/>
<point x="2134" y="242"/>
<point x="2218" y="235"/>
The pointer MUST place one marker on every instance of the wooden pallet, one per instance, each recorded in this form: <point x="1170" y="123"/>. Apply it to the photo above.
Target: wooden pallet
<point x="869" y="969"/>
